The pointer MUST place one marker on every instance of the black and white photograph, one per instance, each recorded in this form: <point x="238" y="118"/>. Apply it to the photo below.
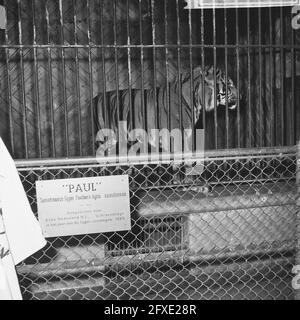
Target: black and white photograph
<point x="150" y="151"/>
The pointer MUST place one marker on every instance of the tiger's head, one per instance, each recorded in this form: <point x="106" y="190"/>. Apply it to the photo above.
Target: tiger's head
<point x="224" y="95"/>
<point x="232" y="94"/>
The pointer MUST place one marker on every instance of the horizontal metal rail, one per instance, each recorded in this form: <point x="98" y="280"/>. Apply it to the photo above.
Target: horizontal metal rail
<point x="145" y="46"/>
<point x="242" y="153"/>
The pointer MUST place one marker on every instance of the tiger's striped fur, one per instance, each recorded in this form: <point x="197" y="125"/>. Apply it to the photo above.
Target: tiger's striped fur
<point x="167" y="107"/>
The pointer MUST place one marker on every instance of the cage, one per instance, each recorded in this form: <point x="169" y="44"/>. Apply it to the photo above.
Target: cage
<point x="70" y="68"/>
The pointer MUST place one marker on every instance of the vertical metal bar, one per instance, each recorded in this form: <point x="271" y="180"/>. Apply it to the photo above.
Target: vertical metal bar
<point x="116" y="58"/>
<point x="144" y="114"/>
<point x="77" y="78"/>
<point x="260" y="118"/>
<point x="131" y="111"/>
<point x="272" y="116"/>
<point x="226" y="78"/>
<point x="215" y="78"/>
<point x="167" y="67"/>
<point x="282" y="70"/>
<point x="157" y="124"/>
<point x="192" y="79"/>
<point x="179" y="69"/>
<point x="50" y="87"/>
<point x="22" y="81"/>
<point x="36" y="86"/>
<point x="249" y="79"/>
<point x="156" y="105"/>
<point x="293" y="133"/>
<point x="63" y="75"/>
<point x="90" y="75"/>
<point x="203" y="72"/>
<point x="238" y="76"/>
<point x="8" y="78"/>
<point x="103" y="65"/>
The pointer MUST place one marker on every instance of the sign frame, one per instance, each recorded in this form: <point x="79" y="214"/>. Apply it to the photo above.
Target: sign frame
<point x="88" y="205"/>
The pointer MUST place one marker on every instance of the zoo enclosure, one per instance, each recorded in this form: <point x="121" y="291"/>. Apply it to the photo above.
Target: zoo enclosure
<point x="236" y="240"/>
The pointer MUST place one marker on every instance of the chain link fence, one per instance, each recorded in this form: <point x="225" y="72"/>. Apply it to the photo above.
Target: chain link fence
<point x="225" y="233"/>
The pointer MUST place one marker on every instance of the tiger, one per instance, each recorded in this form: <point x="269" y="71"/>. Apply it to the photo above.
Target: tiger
<point x="168" y="106"/>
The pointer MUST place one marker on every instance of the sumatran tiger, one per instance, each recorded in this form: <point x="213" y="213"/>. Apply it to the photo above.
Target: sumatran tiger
<point x="168" y="107"/>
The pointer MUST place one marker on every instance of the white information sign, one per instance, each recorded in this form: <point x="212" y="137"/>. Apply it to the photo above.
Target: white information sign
<point x="83" y="205"/>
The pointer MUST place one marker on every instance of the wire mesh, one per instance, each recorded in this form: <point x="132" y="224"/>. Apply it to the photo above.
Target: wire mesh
<point x="227" y="233"/>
